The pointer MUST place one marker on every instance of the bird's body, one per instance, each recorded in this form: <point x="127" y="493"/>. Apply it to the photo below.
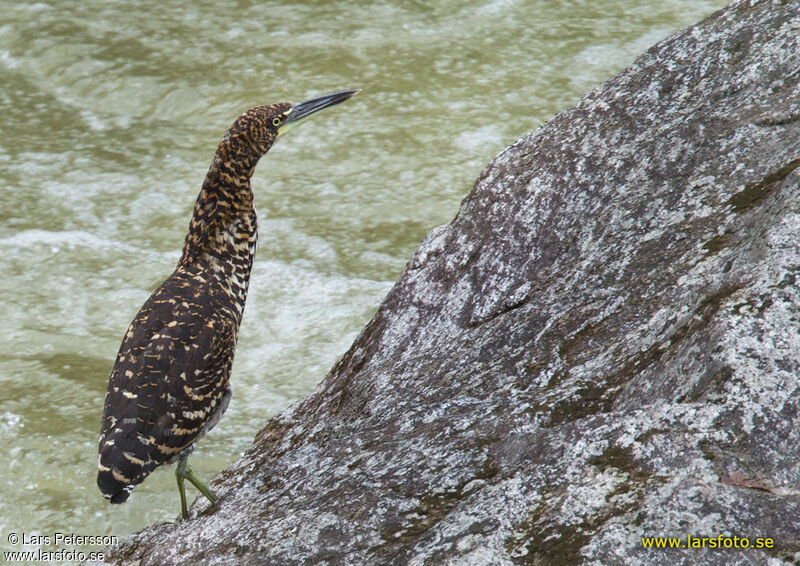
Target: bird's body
<point x="170" y="382"/>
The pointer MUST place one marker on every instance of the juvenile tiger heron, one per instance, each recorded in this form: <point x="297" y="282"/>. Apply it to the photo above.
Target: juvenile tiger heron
<point x="170" y="382"/>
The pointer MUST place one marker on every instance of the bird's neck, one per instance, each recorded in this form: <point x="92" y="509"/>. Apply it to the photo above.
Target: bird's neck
<point x="223" y="231"/>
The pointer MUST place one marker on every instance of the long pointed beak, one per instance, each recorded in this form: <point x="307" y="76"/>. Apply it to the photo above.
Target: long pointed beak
<point x="303" y="110"/>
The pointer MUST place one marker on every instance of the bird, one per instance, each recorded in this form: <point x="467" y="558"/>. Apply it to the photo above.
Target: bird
<point x="170" y="382"/>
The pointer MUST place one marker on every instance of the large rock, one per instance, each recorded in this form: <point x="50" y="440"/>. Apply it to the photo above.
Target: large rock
<point x="603" y="345"/>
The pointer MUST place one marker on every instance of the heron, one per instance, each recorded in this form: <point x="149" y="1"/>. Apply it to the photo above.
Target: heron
<point x="170" y="383"/>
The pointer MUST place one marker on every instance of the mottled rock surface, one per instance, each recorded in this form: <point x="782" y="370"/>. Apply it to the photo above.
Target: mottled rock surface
<point x="604" y="344"/>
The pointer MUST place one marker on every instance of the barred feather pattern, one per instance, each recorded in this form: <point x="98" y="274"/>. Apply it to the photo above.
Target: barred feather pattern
<point x="170" y="381"/>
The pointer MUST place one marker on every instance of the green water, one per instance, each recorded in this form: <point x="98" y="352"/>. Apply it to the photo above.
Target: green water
<point x="110" y="113"/>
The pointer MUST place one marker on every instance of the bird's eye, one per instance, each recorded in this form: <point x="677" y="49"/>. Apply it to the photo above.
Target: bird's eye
<point x="276" y="122"/>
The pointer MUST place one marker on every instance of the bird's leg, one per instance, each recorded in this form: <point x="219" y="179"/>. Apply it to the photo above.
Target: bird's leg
<point x="202" y="488"/>
<point x="184" y="471"/>
<point x="180" y="473"/>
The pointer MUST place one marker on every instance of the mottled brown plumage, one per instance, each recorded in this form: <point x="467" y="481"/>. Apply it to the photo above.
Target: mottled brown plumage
<point x="170" y="382"/>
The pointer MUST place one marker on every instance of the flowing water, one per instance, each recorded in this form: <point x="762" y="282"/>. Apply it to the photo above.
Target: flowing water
<point x="110" y="113"/>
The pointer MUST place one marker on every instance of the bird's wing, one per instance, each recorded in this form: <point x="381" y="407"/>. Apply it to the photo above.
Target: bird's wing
<point x="167" y="383"/>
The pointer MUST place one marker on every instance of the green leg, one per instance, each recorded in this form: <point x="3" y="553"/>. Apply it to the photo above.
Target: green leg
<point x="201" y="487"/>
<point x="180" y="473"/>
<point x="184" y="471"/>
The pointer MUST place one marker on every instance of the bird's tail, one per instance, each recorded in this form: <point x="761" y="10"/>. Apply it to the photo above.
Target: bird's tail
<point x="113" y="489"/>
<point x="118" y="472"/>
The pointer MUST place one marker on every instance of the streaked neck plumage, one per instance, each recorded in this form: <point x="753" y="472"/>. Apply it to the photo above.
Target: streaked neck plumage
<point x="223" y="231"/>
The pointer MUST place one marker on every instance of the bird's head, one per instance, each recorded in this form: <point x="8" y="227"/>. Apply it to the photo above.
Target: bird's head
<point x="254" y="132"/>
